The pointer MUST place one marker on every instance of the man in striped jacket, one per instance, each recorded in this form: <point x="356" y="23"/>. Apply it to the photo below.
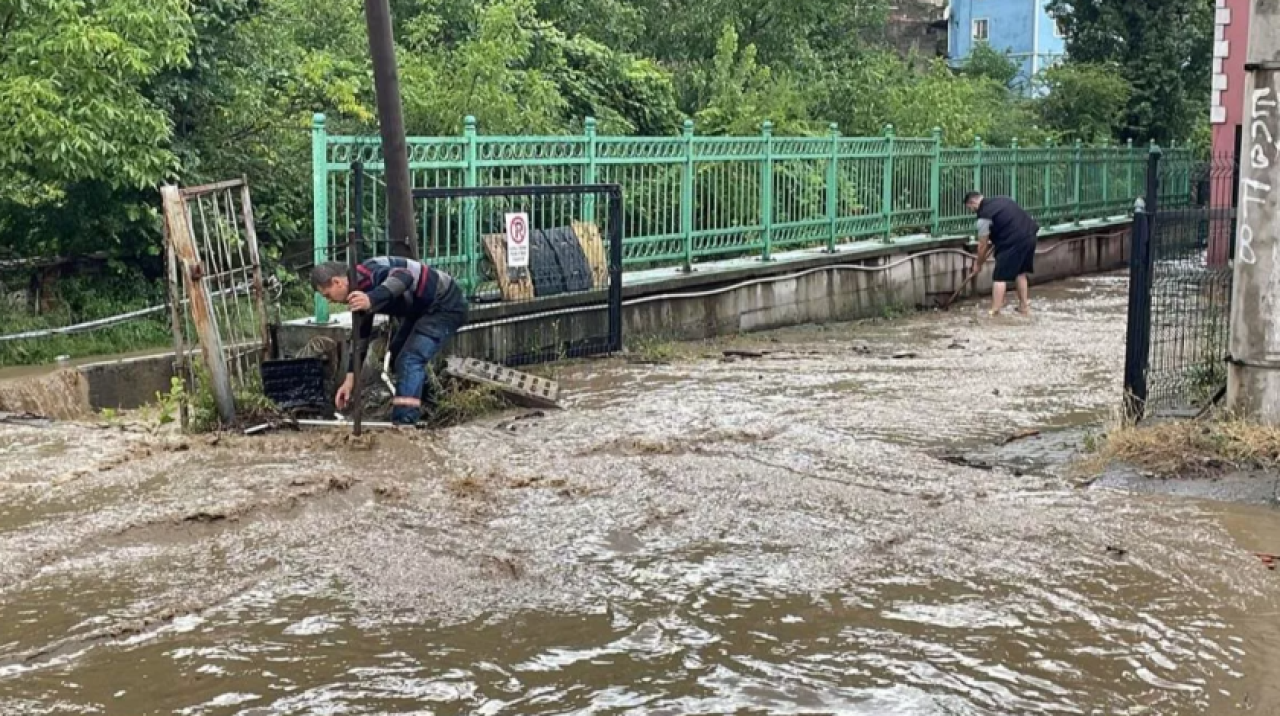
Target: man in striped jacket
<point x="429" y="304"/>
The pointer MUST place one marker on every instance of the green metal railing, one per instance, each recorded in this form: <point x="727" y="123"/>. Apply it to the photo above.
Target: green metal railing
<point x="690" y="199"/>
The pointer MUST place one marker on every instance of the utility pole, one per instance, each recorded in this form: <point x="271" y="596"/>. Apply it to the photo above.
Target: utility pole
<point x="395" y="150"/>
<point x="1253" y="374"/>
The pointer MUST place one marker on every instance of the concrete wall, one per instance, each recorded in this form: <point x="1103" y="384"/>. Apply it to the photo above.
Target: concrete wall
<point x="811" y="288"/>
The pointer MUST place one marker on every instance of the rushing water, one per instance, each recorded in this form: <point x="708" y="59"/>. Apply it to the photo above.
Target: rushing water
<point x="771" y="535"/>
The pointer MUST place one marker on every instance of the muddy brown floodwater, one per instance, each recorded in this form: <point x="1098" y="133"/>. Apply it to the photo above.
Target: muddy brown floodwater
<point x="762" y="535"/>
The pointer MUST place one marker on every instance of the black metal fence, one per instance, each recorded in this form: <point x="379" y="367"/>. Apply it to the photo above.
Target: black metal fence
<point x="1180" y="288"/>
<point x="548" y="268"/>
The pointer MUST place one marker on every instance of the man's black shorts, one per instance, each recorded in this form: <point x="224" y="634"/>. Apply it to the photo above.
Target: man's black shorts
<point x="1015" y="259"/>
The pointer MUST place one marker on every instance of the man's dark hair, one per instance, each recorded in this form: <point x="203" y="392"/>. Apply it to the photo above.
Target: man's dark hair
<point x="971" y="196"/>
<point x="323" y="273"/>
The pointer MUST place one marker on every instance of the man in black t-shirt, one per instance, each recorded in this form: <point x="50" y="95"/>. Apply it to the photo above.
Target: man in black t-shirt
<point x="1011" y="232"/>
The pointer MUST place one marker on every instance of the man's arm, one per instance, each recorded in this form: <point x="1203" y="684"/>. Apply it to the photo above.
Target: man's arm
<point x="398" y="281"/>
<point x="984" y="243"/>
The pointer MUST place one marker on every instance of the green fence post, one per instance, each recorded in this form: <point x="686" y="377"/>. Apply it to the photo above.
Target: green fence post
<point x="589" y="173"/>
<point x="833" y="187"/>
<point x="686" y="196"/>
<point x="977" y="165"/>
<point x="886" y="198"/>
<point x="1106" y="178"/>
<point x="1128" y="160"/>
<point x="1013" y="178"/>
<point x="1048" y="181"/>
<point x="469" y="232"/>
<point x="320" y="204"/>
<point x="766" y="190"/>
<point x="1076" y="211"/>
<point x="935" y="183"/>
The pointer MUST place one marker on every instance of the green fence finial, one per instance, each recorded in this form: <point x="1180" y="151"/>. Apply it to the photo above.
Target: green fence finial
<point x="317" y="120"/>
<point x="834" y="129"/>
<point x="937" y="134"/>
<point x="888" y="130"/>
<point x="589" y="127"/>
<point x="766" y="128"/>
<point x="1014" y="143"/>
<point x="469" y="126"/>
<point x="977" y="142"/>
<point x="688" y="128"/>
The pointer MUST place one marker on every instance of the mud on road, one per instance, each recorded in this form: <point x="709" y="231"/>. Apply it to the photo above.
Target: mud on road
<point x="770" y="534"/>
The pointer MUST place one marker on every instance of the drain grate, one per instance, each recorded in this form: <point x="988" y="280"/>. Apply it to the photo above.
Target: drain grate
<point x="522" y="388"/>
<point x="295" y="383"/>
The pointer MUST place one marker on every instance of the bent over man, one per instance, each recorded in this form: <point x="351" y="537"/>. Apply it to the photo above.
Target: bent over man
<point x="1011" y="232"/>
<point x="429" y="303"/>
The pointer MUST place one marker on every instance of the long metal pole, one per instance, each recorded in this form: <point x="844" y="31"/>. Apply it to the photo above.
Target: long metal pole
<point x="395" y="150"/>
<point x="357" y="317"/>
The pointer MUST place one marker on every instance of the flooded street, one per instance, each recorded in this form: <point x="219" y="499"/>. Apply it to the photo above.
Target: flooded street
<point x="698" y="535"/>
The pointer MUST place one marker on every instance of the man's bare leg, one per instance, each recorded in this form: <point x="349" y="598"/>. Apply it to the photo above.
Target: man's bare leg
<point x="997" y="296"/>
<point x="1024" y="295"/>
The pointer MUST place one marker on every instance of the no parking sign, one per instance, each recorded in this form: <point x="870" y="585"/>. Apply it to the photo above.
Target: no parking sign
<point x="517" y="240"/>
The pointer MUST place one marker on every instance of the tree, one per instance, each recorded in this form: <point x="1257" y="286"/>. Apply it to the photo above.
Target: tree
<point x="1084" y="101"/>
<point x="1162" y="47"/>
<point x="986" y="61"/>
<point x="741" y="94"/>
<point x="74" y="110"/>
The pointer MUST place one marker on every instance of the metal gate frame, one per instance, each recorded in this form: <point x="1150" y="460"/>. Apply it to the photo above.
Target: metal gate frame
<point x="206" y="271"/>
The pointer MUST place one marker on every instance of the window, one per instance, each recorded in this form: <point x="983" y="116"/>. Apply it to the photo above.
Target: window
<point x="1059" y="29"/>
<point x="982" y="29"/>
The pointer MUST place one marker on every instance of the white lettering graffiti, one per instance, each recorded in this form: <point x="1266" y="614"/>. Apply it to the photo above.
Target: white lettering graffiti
<point x="1260" y="160"/>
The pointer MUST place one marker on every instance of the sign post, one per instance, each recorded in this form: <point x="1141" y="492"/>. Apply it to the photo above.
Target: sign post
<point x="517" y="242"/>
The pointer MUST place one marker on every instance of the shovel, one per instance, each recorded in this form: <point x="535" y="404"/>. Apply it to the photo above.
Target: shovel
<point x="946" y="305"/>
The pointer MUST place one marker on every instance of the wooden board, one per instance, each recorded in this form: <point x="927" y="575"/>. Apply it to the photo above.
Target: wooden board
<point x="495" y="246"/>
<point x="593" y="246"/>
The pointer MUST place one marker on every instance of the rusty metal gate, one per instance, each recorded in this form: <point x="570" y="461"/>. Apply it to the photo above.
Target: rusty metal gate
<point x="215" y="289"/>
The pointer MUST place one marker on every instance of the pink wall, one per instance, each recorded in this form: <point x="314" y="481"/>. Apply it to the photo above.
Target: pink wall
<point x="1231" y="39"/>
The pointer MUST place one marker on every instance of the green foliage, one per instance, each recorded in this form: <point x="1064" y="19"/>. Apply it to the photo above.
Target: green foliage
<point x="103" y="100"/>
<point x="740" y="94"/>
<point x="1163" y="48"/>
<point x="1085" y="101"/>
<point x="987" y="62"/>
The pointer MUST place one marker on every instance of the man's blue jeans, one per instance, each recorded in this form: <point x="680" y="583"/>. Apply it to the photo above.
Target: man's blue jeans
<point x="411" y="377"/>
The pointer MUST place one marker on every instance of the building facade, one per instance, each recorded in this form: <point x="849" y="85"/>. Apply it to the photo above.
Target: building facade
<point x="1023" y="28"/>
<point x="1226" y="108"/>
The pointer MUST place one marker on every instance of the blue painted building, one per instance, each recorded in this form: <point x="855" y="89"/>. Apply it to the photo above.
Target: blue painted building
<point x="1023" y="28"/>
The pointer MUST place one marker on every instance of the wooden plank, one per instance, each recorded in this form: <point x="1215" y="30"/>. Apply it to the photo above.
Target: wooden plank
<point x="178" y="227"/>
<point x="593" y="246"/>
<point x="521" y="289"/>
<point x="195" y="191"/>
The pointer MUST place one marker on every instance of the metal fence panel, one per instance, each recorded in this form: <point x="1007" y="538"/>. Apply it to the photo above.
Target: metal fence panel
<point x="1180" y="298"/>
<point x="691" y="198"/>
<point x="557" y="247"/>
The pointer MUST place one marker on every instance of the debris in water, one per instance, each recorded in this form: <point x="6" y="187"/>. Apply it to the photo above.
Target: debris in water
<point x="1116" y="551"/>
<point x="904" y="355"/>
<point x="28" y="419"/>
<point x="1268" y="559"/>
<point x="512" y="426"/>
<point x="744" y="354"/>
<point x="963" y="461"/>
<point x="1020" y="435"/>
<point x="341" y="483"/>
